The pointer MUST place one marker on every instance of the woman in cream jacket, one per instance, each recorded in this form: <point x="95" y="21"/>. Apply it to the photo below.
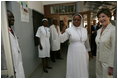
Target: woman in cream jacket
<point x="105" y="41"/>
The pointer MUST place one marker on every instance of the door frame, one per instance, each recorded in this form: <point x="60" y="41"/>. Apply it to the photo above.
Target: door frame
<point x="6" y="43"/>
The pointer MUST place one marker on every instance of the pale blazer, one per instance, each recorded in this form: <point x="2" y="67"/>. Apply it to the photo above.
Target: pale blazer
<point x="106" y="45"/>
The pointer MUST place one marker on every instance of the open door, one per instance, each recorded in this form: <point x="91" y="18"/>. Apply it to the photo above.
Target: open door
<point x="6" y="56"/>
<point x="87" y="14"/>
<point x="37" y="21"/>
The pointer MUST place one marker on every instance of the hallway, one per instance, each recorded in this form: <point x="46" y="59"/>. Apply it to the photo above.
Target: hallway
<point x="59" y="69"/>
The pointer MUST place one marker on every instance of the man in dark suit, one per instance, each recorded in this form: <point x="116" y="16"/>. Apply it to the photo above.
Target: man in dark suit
<point x="94" y="29"/>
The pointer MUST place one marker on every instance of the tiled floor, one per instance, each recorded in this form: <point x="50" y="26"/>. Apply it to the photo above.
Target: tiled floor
<point x="59" y="69"/>
<point x="92" y="67"/>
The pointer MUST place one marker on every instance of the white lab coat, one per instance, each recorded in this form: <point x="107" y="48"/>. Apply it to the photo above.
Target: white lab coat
<point x="77" y="57"/>
<point x="44" y="34"/>
<point x="105" y="50"/>
<point x="17" y="57"/>
<point x="55" y="39"/>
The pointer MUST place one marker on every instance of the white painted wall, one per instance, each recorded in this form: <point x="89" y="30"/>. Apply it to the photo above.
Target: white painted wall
<point x="36" y="5"/>
<point x="80" y="6"/>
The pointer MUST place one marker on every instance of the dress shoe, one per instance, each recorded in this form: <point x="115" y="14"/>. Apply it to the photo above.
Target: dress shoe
<point x="46" y="71"/>
<point x="53" y="61"/>
<point x="49" y="67"/>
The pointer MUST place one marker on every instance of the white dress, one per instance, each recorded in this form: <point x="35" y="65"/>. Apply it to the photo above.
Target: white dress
<point x="44" y="34"/>
<point x="17" y="57"/>
<point x="77" y="57"/>
<point x="55" y="39"/>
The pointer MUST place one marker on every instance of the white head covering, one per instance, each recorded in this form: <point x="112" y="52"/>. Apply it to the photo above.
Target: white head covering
<point x="82" y="21"/>
<point x="44" y="19"/>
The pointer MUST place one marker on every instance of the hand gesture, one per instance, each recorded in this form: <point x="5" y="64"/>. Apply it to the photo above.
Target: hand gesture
<point x="41" y="48"/>
<point x="110" y="70"/>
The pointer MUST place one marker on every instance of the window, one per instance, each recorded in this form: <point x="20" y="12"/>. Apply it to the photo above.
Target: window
<point x="63" y="9"/>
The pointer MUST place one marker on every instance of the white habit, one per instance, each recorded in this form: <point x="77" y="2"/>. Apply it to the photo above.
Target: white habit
<point x="77" y="57"/>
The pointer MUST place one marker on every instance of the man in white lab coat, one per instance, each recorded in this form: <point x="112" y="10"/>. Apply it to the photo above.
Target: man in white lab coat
<point x="16" y="52"/>
<point x="55" y="40"/>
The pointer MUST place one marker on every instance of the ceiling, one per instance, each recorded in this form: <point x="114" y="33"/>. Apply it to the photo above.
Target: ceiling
<point x="94" y="6"/>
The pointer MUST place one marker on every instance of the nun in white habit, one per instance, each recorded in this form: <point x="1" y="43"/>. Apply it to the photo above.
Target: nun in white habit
<point x="77" y="57"/>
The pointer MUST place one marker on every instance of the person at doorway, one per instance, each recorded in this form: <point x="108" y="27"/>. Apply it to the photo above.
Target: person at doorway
<point x="114" y="22"/>
<point x="43" y="35"/>
<point x="105" y="41"/>
<point x="16" y="52"/>
<point x="55" y="40"/>
<point x="77" y="57"/>
<point x="94" y="29"/>
<point x="99" y="25"/>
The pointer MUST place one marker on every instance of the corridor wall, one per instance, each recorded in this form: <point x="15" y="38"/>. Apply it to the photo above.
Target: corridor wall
<point x="25" y="34"/>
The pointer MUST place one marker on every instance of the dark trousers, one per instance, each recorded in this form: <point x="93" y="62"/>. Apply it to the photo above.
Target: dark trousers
<point x="93" y="47"/>
<point x="55" y="55"/>
<point x="45" y="63"/>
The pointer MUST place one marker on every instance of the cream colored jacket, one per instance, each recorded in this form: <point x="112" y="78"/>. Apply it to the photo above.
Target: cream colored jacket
<point x="106" y="45"/>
